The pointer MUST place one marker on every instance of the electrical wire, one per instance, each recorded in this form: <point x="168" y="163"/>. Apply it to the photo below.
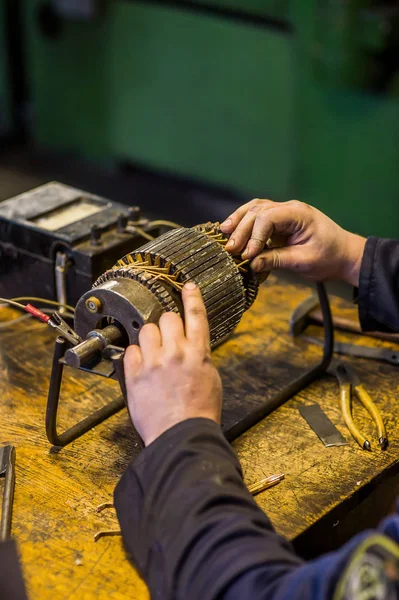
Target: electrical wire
<point x="5" y="302"/>
<point x="15" y="303"/>
<point x="12" y="322"/>
<point x="158" y="223"/>
<point x="139" y="263"/>
<point x="43" y="301"/>
<point x="161" y="223"/>
<point x="145" y="235"/>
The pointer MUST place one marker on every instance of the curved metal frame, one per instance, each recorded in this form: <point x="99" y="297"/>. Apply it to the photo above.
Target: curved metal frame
<point x="298" y="384"/>
<point x="98" y="416"/>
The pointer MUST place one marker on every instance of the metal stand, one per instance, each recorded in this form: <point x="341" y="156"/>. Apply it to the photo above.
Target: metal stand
<point x="113" y="356"/>
<point x="98" y="416"/>
<point x="298" y="384"/>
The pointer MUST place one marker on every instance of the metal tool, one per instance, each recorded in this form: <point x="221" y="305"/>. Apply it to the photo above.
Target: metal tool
<point x="7" y="470"/>
<point x="265" y="484"/>
<point x="57" y="322"/>
<point x="382" y="354"/>
<point x="350" y="385"/>
<point x="322" y="426"/>
<point x="308" y="313"/>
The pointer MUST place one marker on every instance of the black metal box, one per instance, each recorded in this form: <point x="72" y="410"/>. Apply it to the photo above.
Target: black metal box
<point x="56" y="240"/>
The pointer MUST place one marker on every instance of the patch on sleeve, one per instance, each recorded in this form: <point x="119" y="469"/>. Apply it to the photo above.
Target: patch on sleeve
<point x="372" y="572"/>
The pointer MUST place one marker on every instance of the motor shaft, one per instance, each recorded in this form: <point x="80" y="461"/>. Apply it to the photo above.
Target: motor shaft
<point x="96" y="341"/>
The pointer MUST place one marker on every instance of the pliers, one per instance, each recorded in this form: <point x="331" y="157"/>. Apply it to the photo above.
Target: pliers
<point x="350" y="384"/>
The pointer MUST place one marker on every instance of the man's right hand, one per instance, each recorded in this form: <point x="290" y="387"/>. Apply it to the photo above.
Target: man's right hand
<point x="171" y="376"/>
<point x="302" y="239"/>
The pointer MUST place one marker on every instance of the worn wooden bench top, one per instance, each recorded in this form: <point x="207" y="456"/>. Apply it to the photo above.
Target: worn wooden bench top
<point x="56" y="494"/>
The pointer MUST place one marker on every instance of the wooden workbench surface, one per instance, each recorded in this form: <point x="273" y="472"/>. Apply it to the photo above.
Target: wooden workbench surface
<point x="57" y="493"/>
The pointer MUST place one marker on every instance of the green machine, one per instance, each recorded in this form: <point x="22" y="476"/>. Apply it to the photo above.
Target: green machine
<point x="273" y="98"/>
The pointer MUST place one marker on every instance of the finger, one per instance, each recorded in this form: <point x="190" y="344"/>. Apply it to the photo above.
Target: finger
<point x="242" y="233"/>
<point x="232" y="221"/>
<point x="278" y="221"/>
<point x="150" y="342"/>
<point x="132" y="362"/>
<point x="262" y="230"/>
<point x="290" y="257"/>
<point x="263" y="276"/>
<point x="196" y="320"/>
<point x="172" y="331"/>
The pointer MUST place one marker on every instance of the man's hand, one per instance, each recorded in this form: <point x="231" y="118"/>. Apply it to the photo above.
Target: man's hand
<point x="171" y="376"/>
<point x="302" y="238"/>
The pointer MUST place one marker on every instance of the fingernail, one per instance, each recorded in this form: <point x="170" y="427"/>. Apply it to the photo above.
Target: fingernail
<point x="190" y="285"/>
<point x="230" y="244"/>
<point x="245" y="253"/>
<point x="226" y="223"/>
<point x="258" y="265"/>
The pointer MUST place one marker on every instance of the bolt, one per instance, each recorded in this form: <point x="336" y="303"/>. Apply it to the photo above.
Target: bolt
<point x="122" y="222"/>
<point x="95" y="235"/>
<point x="93" y="304"/>
<point x="134" y="213"/>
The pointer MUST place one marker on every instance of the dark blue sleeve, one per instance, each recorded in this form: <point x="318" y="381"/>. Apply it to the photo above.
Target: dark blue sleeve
<point x="12" y="586"/>
<point x="378" y="295"/>
<point x="194" y="531"/>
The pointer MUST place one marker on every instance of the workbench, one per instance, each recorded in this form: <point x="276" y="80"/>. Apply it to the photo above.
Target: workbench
<point x="327" y="494"/>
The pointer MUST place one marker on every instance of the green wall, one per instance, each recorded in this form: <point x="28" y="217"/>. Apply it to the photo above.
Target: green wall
<point x="252" y="108"/>
<point x="177" y="91"/>
<point x="347" y="137"/>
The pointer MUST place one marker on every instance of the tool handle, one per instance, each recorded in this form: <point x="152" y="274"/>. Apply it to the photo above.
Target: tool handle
<point x="345" y="398"/>
<point x="382" y="354"/>
<point x="375" y="414"/>
<point x="348" y="325"/>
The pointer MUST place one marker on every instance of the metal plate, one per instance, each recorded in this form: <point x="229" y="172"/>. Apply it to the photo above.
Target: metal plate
<point x="322" y="426"/>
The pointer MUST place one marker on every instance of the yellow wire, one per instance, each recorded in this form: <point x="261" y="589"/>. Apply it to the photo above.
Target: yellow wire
<point x="159" y="223"/>
<point x="241" y="264"/>
<point x="42" y="301"/>
<point x="145" y="235"/>
<point x="163" y="273"/>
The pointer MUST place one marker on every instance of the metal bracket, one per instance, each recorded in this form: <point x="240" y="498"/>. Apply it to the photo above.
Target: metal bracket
<point x="113" y="353"/>
<point x="7" y="470"/>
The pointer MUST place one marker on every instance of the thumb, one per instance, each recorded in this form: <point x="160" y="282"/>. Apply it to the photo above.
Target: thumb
<point x="288" y="257"/>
